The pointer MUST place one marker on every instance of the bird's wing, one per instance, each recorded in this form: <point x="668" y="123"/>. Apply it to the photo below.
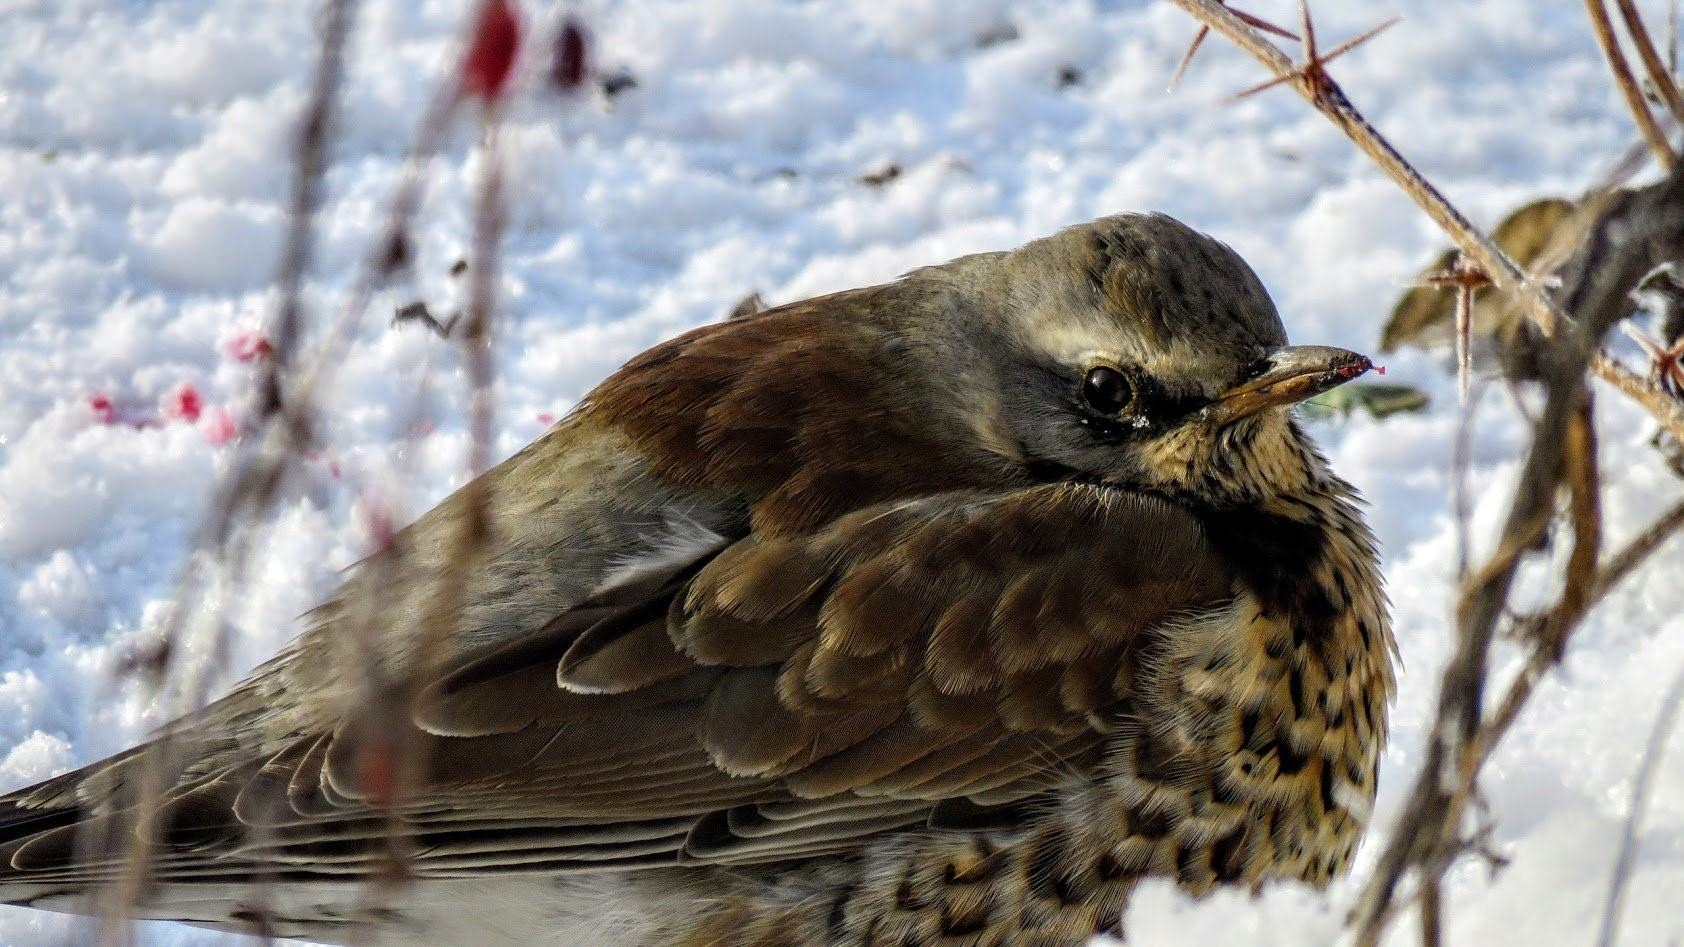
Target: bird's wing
<point x="936" y="659"/>
<point x="736" y="609"/>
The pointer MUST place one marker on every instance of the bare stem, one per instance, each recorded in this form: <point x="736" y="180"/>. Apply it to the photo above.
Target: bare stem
<point x="1660" y="76"/>
<point x="1628" y="84"/>
<point x="1642" y="786"/>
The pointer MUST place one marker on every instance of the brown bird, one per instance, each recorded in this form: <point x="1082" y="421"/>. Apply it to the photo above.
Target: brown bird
<point x="935" y="612"/>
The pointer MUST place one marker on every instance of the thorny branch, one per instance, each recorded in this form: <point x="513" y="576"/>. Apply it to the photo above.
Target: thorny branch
<point x="1628" y="236"/>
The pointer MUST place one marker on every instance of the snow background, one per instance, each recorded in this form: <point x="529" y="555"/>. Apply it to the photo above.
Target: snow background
<point x="143" y="160"/>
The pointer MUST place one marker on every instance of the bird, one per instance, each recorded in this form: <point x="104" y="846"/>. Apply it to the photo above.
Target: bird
<point x="944" y="611"/>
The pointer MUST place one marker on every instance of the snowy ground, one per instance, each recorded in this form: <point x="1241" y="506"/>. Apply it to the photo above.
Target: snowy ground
<point x="142" y="161"/>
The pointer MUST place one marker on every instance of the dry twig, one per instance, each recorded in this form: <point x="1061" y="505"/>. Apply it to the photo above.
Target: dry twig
<point x="1627" y="83"/>
<point x="1464" y="278"/>
<point x="1633" y="233"/>
<point x="1659" y="73"/>
<point x="1642" y="785"/>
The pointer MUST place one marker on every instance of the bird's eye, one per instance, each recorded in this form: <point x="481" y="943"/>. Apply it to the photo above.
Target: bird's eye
<point x="1107" y="391"/>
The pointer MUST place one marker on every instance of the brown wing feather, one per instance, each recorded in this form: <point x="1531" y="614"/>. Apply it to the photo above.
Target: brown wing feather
<point x="865" y="629"/>
<point x="895" y="696"/>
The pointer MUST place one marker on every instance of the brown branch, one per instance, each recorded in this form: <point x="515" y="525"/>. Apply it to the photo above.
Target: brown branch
<point x="1660" y="76"/>
<point x="1666" y="409"/>
<point x="1660" y="73"/>
<point x="1628" y="84"/>
<point x="1432" y="914"/>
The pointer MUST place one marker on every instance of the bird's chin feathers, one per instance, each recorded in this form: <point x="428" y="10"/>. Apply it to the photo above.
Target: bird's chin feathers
<point x="1248" y="460"/>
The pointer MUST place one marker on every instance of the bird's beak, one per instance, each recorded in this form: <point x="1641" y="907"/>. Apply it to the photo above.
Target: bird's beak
<point x="1291" y="374"/>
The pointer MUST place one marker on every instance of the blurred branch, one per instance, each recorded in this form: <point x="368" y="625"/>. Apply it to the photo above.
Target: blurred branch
<point x="1642" y="785"/>
<point x="1631" y="233"/>
<point x="1659" y="73"/>
<point x="253" y="482"/>
<point x="1627" y="84"/>
<point x="1666" y="409"/>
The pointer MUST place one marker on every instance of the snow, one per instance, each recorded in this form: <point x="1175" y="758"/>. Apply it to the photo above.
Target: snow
<point x="143" y="160"/>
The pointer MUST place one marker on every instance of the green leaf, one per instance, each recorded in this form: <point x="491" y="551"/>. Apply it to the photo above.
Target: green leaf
<point x="1380" y="399"/>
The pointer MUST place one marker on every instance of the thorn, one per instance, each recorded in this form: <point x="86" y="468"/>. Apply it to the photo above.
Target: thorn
<point x="1259" y="23"/>
<point x="1359" y="39"/>
<point x="1464" y="276"/>
<point x="1666" y="365"/>
<point x="1255" y="22"/>
<point x="1313" y="70"/>
<point x="1307" y="30"/>
<point x="1187" y="57"/>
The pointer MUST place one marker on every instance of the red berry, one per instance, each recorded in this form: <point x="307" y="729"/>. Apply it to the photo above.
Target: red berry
<point x="491" y="52"/>
<point x="183" y="402"/>
<point x="104" y="411"/>
<point x="248" y="345"/>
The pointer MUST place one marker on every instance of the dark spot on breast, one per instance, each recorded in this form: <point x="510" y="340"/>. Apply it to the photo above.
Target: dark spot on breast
<point x="1189" y="863"/>
<point x="1276" y="557"/>
<point x="1155" y="760"/>
<point x="1151" y="825"/>
<point x="1292" y="762"/>
<point x="1327" y="801"/>
<point x="1295" y="687"/>
<point x="1225" y="856"/>
<point x="1248" y="727"/>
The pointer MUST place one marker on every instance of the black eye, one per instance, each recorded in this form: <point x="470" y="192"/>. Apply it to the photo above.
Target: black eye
<point x="1107" y="390"/>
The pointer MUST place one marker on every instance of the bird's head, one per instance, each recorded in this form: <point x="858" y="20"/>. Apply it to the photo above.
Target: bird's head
<point x="1136" y="350"/>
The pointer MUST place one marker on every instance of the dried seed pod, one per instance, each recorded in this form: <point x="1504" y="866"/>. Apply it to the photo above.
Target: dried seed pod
<point x="571" y="65"/>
